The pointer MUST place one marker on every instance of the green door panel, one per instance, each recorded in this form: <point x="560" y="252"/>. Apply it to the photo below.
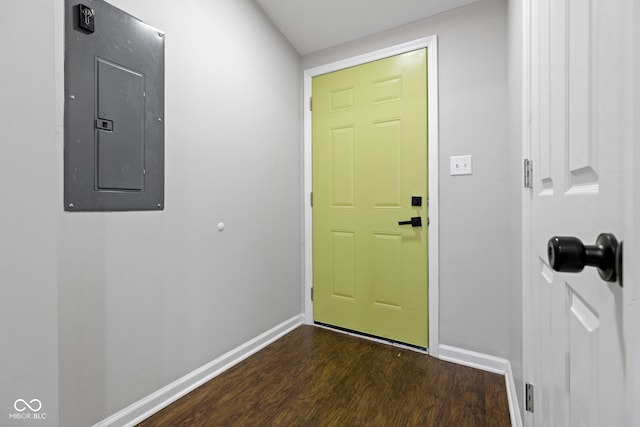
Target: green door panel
<point x="369" y="158"/>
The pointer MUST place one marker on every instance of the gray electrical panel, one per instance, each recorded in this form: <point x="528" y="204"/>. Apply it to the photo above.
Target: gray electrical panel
<point x="114" y="110"/>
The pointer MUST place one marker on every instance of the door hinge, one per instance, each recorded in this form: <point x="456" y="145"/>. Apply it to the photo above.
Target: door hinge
<point x="311" y="198"/>
<point x="528" y="397"/>
<point x="310" y="103"/>
<point x="312" y="293"/>
<point x="528" y="173"/>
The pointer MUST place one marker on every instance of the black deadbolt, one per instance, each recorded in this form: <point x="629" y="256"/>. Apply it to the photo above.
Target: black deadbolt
<point x="570" y="255"/>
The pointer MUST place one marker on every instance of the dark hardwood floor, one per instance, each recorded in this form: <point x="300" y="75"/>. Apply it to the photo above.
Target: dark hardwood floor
<point x="317" y="377"/>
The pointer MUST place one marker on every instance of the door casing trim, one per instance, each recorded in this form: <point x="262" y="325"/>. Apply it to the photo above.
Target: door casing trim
<point x="431" y="44"/>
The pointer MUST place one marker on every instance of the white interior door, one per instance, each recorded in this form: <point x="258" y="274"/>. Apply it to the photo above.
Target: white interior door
<point x="581" y="69"/>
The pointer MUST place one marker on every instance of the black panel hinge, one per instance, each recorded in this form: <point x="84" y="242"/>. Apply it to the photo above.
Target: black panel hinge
<point x="310" y="104"/>
<point x="312" y="293"/>
<point x="311" y="198"/>
<point x="528" y="397"/>
<point x="528" y="173"/>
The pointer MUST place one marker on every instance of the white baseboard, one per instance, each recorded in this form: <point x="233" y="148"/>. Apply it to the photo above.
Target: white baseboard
<point x="144" y="408"/>
<point x="473" y="359"/>
<point x="485" y="362"/>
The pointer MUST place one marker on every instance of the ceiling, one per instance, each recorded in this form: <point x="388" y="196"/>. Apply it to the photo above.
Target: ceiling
<point x="312" y="25"/>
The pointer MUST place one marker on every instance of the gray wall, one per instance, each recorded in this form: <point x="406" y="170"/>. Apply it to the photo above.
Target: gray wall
<point x="28" y="212"/>
<point x="147" y="297"/>
<point x="475" y="211"/>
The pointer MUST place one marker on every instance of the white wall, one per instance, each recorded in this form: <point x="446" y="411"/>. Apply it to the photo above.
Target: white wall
<point x="476" y="211"/>
<point x="147" y="297"/>
<point x="28" y="202"/>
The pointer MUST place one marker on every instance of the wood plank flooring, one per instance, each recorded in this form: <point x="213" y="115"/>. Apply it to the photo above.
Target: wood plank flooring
<point x="316" y="377"/>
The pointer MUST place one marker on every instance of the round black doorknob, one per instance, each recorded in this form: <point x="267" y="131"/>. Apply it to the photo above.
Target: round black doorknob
<point x="570" y="255"/>
<point x="566" y="254"/>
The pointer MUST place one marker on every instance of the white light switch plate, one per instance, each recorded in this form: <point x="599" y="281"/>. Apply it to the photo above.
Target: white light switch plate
<point x="461" y="165"/>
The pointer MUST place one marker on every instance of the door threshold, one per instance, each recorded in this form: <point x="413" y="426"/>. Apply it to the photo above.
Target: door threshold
<point x="375" y="338"/>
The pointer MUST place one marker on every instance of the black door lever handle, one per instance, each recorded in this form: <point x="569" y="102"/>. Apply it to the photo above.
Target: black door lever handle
<point x="415" y="221"/>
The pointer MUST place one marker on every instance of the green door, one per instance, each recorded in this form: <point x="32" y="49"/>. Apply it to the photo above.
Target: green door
<point x="369" y="162"/>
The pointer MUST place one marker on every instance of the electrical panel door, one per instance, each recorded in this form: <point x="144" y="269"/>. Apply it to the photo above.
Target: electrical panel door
<point x="114" y="110"/>
<point x="120" y="127"/>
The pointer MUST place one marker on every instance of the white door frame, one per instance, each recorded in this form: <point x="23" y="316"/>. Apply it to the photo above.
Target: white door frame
<point x="432" y="94"/>
<point x="526" y="199"/>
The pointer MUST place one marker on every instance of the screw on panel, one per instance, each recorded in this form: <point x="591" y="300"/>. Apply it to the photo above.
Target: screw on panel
<point x="159" y="119"/>
<point x="72" y="97"/>
<point x="71" y="206"/>
<point x="159" y="205"/>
